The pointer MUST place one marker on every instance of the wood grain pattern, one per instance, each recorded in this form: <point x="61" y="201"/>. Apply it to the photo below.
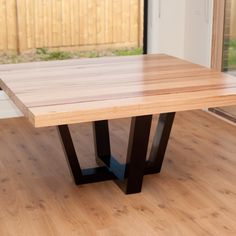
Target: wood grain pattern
<point x="26" y="25"/>
<point x="8" y="27"/>
<point x="193" y="196"/>
<point x="85" y="90"/>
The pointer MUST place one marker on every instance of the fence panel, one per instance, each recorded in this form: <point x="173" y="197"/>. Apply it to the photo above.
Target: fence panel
<point x="8" y="27"/>
<point x="68" y="24"/>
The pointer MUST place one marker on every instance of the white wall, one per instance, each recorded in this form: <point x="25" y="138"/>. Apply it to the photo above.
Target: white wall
<point x="166" y="26"/>
<point x="198" y="31"/>
<point x="182" y="28"/>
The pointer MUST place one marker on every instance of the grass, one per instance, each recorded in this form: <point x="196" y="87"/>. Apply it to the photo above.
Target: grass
<point x="128" y="52"/>
<point x="44" y="54"/>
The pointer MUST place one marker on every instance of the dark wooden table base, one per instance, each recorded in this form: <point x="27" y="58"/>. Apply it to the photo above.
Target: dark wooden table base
<point x="129" y="176"/>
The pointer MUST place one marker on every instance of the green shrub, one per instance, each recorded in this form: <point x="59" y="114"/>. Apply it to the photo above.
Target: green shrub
<point x="128" y="52"/>
<point x="46" y="55"/>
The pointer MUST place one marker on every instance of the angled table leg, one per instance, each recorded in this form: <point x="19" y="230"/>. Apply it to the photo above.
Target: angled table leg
<point x="130" y="175"/>
<point x="103" y="149"/>
<point x="137" y="152"/>
<point x="81" y="176"/>
<point x="160" y="142"/>
<point x="70" y="152"/>
<point x="102" y="141"/>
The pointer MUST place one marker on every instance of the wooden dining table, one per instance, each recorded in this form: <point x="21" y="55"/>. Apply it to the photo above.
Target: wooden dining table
<point x="61" y="93"/>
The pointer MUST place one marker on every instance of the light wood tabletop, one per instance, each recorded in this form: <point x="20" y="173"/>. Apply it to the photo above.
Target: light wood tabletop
<point x="75" y="91"/>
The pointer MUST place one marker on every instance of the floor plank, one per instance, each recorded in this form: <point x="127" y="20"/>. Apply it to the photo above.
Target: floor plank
<point x="194" y="195"/>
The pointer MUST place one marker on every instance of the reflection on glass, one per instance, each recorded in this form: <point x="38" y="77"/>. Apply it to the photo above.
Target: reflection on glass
<point x="229" y="55"/>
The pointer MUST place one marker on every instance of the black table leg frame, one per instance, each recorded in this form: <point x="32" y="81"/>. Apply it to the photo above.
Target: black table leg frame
<point x="160" y="142"/>
<point x="129" y="176"/>
<point x="81" y="176"/>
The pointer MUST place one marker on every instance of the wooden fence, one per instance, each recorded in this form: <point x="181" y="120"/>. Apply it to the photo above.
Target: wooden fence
<point x="70" y="24"/>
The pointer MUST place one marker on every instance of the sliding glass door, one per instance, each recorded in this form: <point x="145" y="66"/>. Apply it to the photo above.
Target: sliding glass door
<point x="229" y="54"/>
<point x="229" y="50"/>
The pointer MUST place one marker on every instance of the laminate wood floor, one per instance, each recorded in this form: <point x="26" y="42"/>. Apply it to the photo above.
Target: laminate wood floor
<point x="195" y="194"/>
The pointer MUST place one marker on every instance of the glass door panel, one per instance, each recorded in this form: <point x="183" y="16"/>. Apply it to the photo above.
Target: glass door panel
<point x="229" y="55"/>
